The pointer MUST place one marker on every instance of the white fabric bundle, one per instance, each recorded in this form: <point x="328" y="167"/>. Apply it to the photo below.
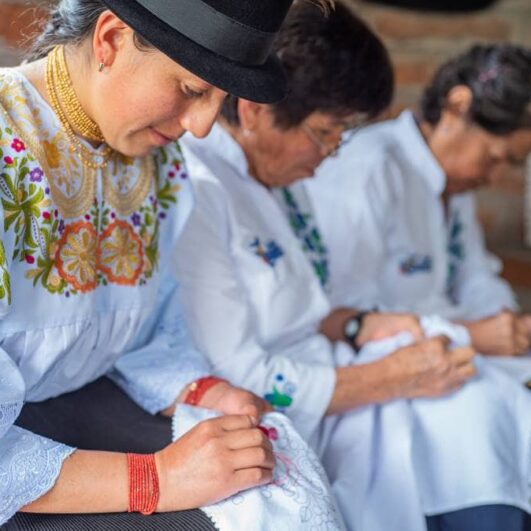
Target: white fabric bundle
<point x="391" y="464"/>
<point x="299" y="497"/>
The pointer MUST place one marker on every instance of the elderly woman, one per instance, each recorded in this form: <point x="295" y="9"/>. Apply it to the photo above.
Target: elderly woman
<point x="256" y="308"/>
<point x="93" y="196"/>
<point x="395" y="212"/>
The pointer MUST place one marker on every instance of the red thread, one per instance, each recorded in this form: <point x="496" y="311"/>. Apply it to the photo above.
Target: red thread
<point x="143" y="483"/>
<point x="199" y="388"/>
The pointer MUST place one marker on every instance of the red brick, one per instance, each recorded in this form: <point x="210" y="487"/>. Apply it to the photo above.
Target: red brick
<point x="400" y="25"/>
<point x="18" y="21"/>
<point x="414" y="71"/>
<point x="509" y="180"/>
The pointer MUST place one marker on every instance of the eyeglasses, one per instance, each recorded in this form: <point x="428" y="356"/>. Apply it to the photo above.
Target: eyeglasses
<point x="322" y="140"/>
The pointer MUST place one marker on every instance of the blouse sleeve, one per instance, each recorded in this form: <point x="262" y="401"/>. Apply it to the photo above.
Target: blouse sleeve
<point x="165" y="360"/>
<point x="223" y="322"/>
<point x="479" y="290"/>
<point x="29" y="464"/>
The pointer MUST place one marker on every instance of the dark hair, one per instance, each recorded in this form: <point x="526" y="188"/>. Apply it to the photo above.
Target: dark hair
<point x="334" y="64"/>
<point x="499" y="76"/>
<point x="71" y="22"/>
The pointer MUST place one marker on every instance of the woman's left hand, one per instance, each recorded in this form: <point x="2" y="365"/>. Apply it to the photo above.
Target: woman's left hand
<point x="231" y="400"/>
<point x="525" y="319"/>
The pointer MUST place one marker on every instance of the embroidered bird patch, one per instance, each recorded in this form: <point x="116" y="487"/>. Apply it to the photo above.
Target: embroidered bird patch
<point x="416" y="263"/>
<point x="269" y="253"/>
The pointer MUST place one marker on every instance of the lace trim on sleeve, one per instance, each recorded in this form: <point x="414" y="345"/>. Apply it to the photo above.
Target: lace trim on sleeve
<point x="29" y="467"/>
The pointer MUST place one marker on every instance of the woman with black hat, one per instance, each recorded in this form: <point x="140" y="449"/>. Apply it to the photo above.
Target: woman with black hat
<point x="93" y="196"/>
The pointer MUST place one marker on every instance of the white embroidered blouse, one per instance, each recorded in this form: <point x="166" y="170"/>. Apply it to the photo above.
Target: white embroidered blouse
<point x="84" y="287"/>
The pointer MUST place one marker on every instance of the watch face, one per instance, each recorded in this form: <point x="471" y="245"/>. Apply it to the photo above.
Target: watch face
<point x="352" y="327"/>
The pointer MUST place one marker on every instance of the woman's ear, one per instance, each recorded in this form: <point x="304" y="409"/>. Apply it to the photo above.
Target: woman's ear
<point x="110" y="34"/>
<point x="459" y="100"/>
<point x="250" y="114"/>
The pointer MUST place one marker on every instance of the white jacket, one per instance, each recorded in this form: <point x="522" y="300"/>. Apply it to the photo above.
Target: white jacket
<point x="380" y="210"/>
<point x="253" y="302"/>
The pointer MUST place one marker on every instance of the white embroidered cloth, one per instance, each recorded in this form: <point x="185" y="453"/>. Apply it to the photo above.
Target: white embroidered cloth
<point x="299" y="497"/>
<point x="409" y="458"/>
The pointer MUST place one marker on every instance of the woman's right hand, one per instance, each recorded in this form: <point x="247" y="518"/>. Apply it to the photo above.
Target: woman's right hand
<point x="430" y="369"/>
<point x="214" y="460"/>
<point x="504" y="334"/>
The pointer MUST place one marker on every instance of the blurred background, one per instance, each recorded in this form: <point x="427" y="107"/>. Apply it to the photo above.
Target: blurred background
<point x="420" y="34"/>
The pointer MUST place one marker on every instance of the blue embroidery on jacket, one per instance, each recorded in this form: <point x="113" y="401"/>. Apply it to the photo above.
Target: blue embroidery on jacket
<point x="416" y="263"/>
<point x="456" y="249"/>
<point x="306" y="230"/>
<point x="269" y="253"/>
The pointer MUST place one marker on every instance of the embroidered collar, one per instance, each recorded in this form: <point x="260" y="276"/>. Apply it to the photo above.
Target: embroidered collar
<point x="73" y="187"/>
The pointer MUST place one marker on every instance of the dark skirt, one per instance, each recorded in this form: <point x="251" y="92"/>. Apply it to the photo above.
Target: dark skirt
<point x="101" y="417"/>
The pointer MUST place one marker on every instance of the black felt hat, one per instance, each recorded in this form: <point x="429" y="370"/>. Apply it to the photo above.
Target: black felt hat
<point x="225" y="42"/>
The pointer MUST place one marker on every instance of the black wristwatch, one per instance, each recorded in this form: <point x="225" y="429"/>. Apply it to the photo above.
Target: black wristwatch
<point x="352" y="329"/>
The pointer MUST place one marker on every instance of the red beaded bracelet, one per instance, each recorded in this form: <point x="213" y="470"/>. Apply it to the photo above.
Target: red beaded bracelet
<point x="143" y="483"/>
<point x="198" y="389"/>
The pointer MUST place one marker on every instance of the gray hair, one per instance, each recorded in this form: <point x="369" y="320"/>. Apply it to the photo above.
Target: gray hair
<point x="71" y="22"/>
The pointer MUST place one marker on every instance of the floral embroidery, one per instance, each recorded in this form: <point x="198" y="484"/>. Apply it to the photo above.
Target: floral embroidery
<point x="5" y="280"/>
<point x="120" y="254"/>
<point x="22" y="205"/>
<point x="18" y="145"/>
<point x="455" y="249"/>
<point x="282" y="395"/>
<point x="68" y="259"/>
<point x="308" y="234"/>
<point x="103" y="244"/>
<point x="269" y="254"/>
<point x="36" y="175"/>
<point x="126" y="181"/>
<point x="52" y="154"/>
<point x="76" y="256"/>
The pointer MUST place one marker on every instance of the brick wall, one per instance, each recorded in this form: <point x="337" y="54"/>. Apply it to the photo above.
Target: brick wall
<point x="419" y="43"/>
<point x="18" y="19"/>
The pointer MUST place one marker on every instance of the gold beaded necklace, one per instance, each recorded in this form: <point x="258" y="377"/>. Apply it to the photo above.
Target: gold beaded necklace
<point x="70" y="113"/>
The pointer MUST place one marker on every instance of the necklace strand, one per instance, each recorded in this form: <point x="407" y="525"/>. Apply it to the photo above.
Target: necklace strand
<point x="75" y="113"/>
<point x="57" y="83"/>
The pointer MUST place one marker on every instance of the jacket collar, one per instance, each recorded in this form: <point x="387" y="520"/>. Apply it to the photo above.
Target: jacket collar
<point x="219" y="143"/>
<point x="418" y="153"/>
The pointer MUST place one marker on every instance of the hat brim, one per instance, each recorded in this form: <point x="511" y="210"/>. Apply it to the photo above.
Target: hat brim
<point x="263" y="84"/>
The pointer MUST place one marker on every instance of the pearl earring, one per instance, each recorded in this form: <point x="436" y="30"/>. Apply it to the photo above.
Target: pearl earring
<point x="246" y="132"/>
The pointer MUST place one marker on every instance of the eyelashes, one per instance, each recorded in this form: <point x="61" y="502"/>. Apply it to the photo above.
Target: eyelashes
<point x="190" y="93"/>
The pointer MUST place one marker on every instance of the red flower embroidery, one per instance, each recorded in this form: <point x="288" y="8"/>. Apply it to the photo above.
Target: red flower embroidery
<point x="18" y="145"/>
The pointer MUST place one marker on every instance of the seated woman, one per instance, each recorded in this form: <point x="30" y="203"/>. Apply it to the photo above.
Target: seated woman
<point x="394" y="208"/>
<point x="93" y="197"/>
<point x="255" y="305"/>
